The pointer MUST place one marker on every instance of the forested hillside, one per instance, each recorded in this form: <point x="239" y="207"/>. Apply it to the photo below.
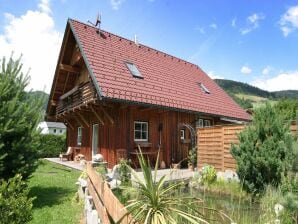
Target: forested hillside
<point x="36" y="95"/>
<point x="248" y="96"/>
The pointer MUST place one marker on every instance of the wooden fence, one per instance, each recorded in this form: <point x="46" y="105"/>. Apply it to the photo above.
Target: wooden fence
<point x="106" y="203"/>
<point x="214" y="144"/>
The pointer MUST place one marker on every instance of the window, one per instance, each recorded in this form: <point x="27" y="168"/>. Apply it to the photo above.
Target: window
<point x="203" y="87"/>
<point x="207" y="123"/>
<point x="134" y="70"/>
<point x="200" y="123"/>
<point x="141" y="131"/>
<point x="182" y="134"/>
<point x="60" y="130"/>
<point x="79" y="137"/>
<point x="54" y="130"/>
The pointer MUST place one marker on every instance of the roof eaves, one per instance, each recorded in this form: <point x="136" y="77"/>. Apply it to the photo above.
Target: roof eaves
<point x="173" y="108"/>
<point x="94" y="80"/>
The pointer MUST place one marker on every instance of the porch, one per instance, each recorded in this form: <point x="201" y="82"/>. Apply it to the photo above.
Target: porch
<point x="171" y="174"/>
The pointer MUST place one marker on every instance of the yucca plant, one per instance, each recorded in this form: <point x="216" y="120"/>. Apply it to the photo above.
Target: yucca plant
<point x="156" y="202"/>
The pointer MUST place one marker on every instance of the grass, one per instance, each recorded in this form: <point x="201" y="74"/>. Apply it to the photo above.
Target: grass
<point x="55" y="190"/>
<point x="257" y="101"/>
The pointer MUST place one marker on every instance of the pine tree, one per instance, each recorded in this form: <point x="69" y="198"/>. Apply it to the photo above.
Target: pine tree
<point x="265" y="150"/>
<point x="19" y="117"/>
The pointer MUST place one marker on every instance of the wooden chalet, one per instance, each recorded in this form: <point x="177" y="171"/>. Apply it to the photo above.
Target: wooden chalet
<point x="114" y="94"/>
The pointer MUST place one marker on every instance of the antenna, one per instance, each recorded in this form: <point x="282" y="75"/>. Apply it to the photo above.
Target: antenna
<point x="136" y="40"/>
<point x="97" y="22"/>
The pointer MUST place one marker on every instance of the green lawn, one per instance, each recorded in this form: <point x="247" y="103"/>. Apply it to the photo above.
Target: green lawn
<point x="55" y="190"/>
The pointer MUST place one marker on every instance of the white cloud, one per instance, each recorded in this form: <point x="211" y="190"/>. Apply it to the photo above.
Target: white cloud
<point x="252" y="23"/>
<point x="289" y="21"/>
<point x="34" y="36"/>
<point x="116" y="3"/>
<point x="44" y="6"/>
<point x="283" y="81"/>
<point x="200" y="29"/>
<point x="246" y="70"/>
<point x="266" y="70"/>
<point x="233" y="23"/>
<point x="214" y="76"/>
<point x="213" y="25"/>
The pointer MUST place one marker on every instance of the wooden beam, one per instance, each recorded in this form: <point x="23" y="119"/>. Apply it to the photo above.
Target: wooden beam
<point x="68" y="124"/>
<point x="76" y="56"/>
<point x="107" y="115"/>
<point x="65" y="83"/>
<point x="147" y="109"/>
<point x="53" y="103"/>
<point x="61" y="56"/>
<point x="96" y="115"/>
<point x="78" y="121"/>
<point x="69" y="68"/>
<point x="83" y="119"/>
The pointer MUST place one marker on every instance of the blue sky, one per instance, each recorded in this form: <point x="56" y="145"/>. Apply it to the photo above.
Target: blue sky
<point x="252" y="41"/>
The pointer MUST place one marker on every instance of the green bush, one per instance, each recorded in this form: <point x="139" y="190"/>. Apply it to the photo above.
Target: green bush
<point x="295" y="160"/>
<point x="124" y="171"/>
<point x="264" y="152"/>
<point x="192" y="157"/>
<point x="15" y="206"/>
<point x="208" y="174"/>
<point x="51" y="145"/>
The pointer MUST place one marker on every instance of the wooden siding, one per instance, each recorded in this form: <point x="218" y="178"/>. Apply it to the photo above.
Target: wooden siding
<point x="116" y="138"/>
<point x="214" y="145"/>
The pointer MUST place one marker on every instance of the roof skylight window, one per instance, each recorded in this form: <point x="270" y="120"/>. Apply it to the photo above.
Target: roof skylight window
<point x="134" y="70"/>
<point x="203" y="87"/>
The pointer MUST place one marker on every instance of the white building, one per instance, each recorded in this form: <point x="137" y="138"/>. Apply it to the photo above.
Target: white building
<point x="55" y="128"/>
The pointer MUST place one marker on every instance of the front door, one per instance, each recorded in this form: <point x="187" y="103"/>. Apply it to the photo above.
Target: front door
<point x="94" y="139"/>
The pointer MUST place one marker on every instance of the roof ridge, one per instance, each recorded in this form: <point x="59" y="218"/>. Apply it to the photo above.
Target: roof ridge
<point x="145" y="46"/>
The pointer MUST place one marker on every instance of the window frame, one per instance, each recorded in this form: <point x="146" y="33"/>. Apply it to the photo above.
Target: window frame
<point x="141" y="131"/>
<point x="79" y="136"/>
<point x="135" y="72"/>
<point x="182" y="134"/>
<point x="200" y="123"/>
<point x="207" y="121"/>
<point x="204" y="88"/>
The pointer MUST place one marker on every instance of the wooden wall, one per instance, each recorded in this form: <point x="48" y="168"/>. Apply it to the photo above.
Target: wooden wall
<point x="119" y="135"/>
<point x="214" y="145"/>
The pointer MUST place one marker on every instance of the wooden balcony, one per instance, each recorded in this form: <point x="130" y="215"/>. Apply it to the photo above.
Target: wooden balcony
<point x="76" y="97"/>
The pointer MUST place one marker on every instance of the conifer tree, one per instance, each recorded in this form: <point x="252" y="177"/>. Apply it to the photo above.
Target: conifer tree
<point x="265" y="150"/>
<point x="19" y="116"/>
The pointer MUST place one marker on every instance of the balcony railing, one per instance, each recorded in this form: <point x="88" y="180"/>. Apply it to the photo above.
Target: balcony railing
<point x="79" y="95"/>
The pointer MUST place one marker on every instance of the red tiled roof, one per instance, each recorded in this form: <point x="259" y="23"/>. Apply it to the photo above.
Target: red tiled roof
<point x="168" y="81"/>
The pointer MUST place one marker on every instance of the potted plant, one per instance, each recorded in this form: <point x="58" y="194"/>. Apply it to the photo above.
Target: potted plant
<point x="192" y="158"/>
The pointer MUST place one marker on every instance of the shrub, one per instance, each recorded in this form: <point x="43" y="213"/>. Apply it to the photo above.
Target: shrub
<point x="102" y="170"/>
<point x="295" y="160"/>
<point x="15" y="206"/>
<point x="19" y="116"/>
<point x="208" y="174"/>
<point x="192" y="156"/>
<point x="124" y="172"/>
<point x="272" y="196"/>
<point x="51" y="145"/>
<point x="289" y="189"/>
<point x="264" y="151"/>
